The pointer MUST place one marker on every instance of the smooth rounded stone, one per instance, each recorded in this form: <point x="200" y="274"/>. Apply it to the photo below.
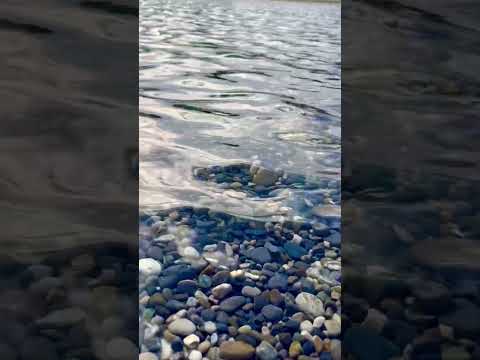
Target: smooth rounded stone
<point x="195" y="355"/>
<point x="149" y="267"/>
<point x="38" y="348"/>
<point x="318" y="321"/>
<point x="375" y="320"/>
<point x="236" y="350"/>
<point x="204" y="281"/>
<point x="432" y="297"/>
<point x="191" y="252"/>
<point x="210" y="327"/>
<point x="214" y="338"/>
<point x="191" y="341"/>
<point x="204" y="346"/>
<point x="265" y="351"/>
<point x="306" y="326"/>
<point x="232" y="303"/>
<point x="272" y="313"/>
<point x="365" y="344"/>
<point x="208" y="314"/>
<point x="310" y="304"/>
<point x="318" y="344"/>
<point x="222" y="290"/>
<point x="213" y="353"/>
<point x="187" y="287"/>
<point x="166" y="350"/>
<point x="251" y="291"/>
<point x="295" y="349"/>
<point x="327" y="211"/>
<point x="182" y="327"/>
<point x="120" y="348"/>
<point x="336" y="349"/>
<point x="278" y="281"/>
<point x="294" y="251"/>
<point x="62" y="318"/>
<point x="463" y="318"/>
<point x="202" y="299"/>
<point x="147" y="356"/>
<point x="265" y="177"/>
<point x="191" y="302"/>
<point x="220" y="277"/>
<point x="276" y="297"/>
<point x="259" y="255"/>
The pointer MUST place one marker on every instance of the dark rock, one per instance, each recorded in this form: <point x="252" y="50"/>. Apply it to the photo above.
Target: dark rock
<point x="232" y="303"/>
<point x="272" y="313"/>
<point x="294" y="251"/>
<point x="278" y="281"/>
<point x="365" y="344"/>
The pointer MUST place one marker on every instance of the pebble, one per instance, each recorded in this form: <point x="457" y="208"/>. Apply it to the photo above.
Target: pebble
<point x="265" y="351"/>
<point x="195" y="355"/>
<point x="310" y="304"/>
<point x="222" y="290"/>
<point x="232" y="303"/>
<point x="251" y="291"/>
<point x="236" y="350"/>
<point x="210" y="327"/>
<point x="149" y="267"/>
<point x="191" y="341"/>
<point x="272" y="313"/>
<point x="147" y="356"/>
<point x="182" y="327"/>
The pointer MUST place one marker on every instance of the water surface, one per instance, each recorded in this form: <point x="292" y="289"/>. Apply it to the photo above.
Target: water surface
<point x="238" y="81"/>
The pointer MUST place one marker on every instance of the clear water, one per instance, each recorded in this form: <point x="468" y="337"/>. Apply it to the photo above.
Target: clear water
<point x="223" y="82"/>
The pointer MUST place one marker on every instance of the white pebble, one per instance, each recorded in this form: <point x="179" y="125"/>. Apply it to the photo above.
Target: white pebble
<point x="195" y="355"/>
<point x="191" y="341"/>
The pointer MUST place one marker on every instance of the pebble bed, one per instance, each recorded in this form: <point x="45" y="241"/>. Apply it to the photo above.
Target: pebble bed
<point x="217" y="286"/>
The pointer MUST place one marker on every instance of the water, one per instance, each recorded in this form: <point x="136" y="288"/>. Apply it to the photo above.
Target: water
<point x="238" y="81"/>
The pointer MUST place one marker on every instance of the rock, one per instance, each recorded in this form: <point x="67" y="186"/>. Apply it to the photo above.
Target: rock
<point x="306" y="326"/>
<point x="222" y="290"/>
<point x="265" y="177"/>
<point x="265" y="351"/>
<point x="195" y="355"/>
<point x="191" y="252"/>
<point x="432" y="297"/>
<point x="251" y="291"/>
<point x="278" y="281"/>
<point x="213" y="353"/>
<point x="147" y="356"/>
<point x="236" y="350"/>
<point x="166" y="350"/>
<point x="210" y="327"/>
<point x="149" y="267"/>
<point x="375" y="320"/>
<point x="204" y="346"/>
<point x="318" y="321"/>
<point x="336" y="349"/>
<point x="182" y="327"/>
<point x="294" y="251"/>
<point x="62" y="318"/>
<point x="310" y="304"/>
<point x="272" y="313"/>
<point x="365" y="344"/>
<point x="232" y="303"/>
<point x="295" y="349"/>
<point x="191" y="341"/>
<point x="327" y="211"/>
<point x="333" y="327"/>
<point x="463" y="318"/>
<point x="259" y="255"/>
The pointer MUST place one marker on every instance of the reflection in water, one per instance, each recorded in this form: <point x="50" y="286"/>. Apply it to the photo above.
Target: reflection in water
<point x="410" y="185"/>
<point x="68" y="195"/>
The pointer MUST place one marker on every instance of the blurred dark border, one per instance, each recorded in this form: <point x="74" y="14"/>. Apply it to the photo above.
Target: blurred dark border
<point x="410" y="194"/>
<point x="69" y="179"/>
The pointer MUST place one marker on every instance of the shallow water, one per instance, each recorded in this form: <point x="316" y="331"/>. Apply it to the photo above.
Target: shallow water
<point x="240" y="81"/>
